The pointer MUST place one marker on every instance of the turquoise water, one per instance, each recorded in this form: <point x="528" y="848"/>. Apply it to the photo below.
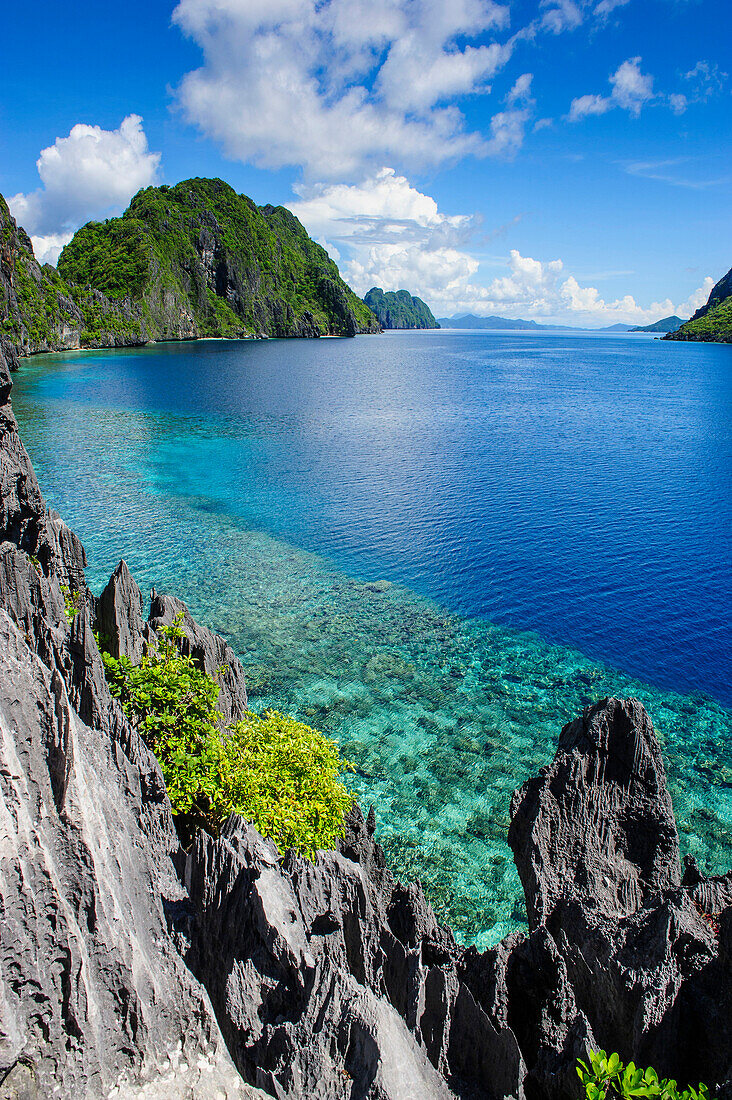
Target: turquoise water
<point x="375" y="541"/>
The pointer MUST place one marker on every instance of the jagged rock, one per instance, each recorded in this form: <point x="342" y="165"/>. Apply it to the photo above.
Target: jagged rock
<point x="120" y="619"/>
<point x="210" y="652"/>
<point x="607" y="773"/>
<point x="92" y="987"/>
<point x="294" y="957"/>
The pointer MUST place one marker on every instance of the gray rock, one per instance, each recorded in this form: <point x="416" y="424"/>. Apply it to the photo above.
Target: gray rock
<point x="608" y="774"/>
<point x="120" y="618"/>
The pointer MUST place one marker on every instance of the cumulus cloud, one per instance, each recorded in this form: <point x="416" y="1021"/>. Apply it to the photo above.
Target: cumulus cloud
<point x="339" y="85"/>
<point x="90" y="173"/>
<point x="388" y="233"/>
<point x="630" y="90"/>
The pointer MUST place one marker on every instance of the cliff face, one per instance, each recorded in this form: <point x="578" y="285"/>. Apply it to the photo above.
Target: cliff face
<point x="183" y="262"/>
<point x="398" y="309"/>
<point x="713" y="321"/>
<point x="200" y="260"/>
<point x="129" y="967"/>
<point x="40" y="311"/>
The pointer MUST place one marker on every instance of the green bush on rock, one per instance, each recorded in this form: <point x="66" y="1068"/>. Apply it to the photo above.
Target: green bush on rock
<point x="278" y="773"/>
<point x="607" y="1077"/>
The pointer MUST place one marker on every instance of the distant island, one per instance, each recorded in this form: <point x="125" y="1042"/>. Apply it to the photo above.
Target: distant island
<point x="666" y="324"/>
<point x="470" y="320"/>
<point x="399" y="309"/>
<point x="713" y="322"/>
<point x="184" y="262"/>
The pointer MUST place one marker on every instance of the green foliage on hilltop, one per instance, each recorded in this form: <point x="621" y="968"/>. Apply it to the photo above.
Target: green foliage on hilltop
<point x="201" y="251"/>
<point x="399" y="309"/>
<point x="276" y="772"/>
<point x="606" y="1078"/>
<point x="714" y="326"/>
<point x="108" y="256"/>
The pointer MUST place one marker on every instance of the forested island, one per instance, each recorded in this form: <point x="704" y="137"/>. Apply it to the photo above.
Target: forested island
<point x="398" y="309"/>
<point x="184" y="262"/>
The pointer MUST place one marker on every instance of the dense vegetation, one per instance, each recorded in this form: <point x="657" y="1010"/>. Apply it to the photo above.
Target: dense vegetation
<point x="398" y="309"/>
<point x="714" y="326"/>
<point x="606" y="1078"/>
<point x="713" y="322"/>
<point x="202" y="260"/>
<point x="275" y="771"/>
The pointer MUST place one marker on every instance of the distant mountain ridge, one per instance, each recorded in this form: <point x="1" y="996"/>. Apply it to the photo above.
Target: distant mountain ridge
<point x="470" y="320"/>
<point x="666" y="324"/>
<point x="711" y="323"/>
<point x="398" y="309"/>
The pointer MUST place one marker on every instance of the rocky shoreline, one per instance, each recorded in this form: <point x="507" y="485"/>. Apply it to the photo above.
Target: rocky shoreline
<point x="133" y="968"/>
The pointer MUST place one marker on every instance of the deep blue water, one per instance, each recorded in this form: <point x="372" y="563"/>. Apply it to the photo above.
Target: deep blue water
<point x="575" y="487"/>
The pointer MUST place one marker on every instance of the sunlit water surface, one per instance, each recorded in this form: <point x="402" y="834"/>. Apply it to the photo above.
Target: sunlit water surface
<point x="438" y="547"/>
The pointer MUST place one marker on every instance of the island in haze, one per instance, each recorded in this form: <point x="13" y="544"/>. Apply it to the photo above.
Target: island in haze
<point x="470" y="320"/>
<point x="666" y="324"/>
<point x="399" y="309"/>
<point x="184" y="262"/>
<point x="712" y="323"/>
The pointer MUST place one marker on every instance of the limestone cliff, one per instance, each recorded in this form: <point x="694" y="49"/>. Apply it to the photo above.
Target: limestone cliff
<point x="182" y="262"/>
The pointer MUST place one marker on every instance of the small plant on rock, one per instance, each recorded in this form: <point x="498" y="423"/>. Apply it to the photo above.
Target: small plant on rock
<point x="278" y="773"/>
<point x="606" y="1078"/>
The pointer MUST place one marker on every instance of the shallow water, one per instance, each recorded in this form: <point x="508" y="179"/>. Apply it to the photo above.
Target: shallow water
<point x="375" y="523"/>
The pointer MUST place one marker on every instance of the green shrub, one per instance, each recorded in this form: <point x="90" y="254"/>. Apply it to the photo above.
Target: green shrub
<point x="276" y="772"/>
<point x="72" y="601"/>
<point x="607" y="1077"/>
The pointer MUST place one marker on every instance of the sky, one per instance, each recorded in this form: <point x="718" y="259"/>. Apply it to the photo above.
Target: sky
<point x="562" y="160"/>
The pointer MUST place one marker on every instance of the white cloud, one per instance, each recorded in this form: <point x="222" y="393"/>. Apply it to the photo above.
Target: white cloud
<point x="678" y="103"/>
<point x="90" y="173"/>
<point x="697" y="299"/>
<point x="606" y="7"/>
<point x="706" y="80"/>
<point x="48" y="248"/>
<point x="336" y="86"/>
<point x="631" y="87"/>
<point x="586" y="105"/>
<point x="521" y="90"/>
<point x="390" y="234"/>
<point x="630" y="90"/>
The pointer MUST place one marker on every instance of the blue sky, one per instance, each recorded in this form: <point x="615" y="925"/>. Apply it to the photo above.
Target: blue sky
<point x="566" y="160"/>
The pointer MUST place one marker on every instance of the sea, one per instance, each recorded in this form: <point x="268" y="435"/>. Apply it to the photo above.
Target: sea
<point x="437" y="547"/>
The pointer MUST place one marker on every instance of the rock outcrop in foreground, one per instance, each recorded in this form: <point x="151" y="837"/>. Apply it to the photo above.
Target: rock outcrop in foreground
<point x="132" y="968"/>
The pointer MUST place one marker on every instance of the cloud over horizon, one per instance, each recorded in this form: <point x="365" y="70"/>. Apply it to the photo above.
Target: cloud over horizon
<point x="385" y="232"/>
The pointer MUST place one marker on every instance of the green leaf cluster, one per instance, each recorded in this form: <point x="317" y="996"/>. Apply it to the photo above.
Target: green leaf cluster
<point x="278" y="773"/>
<point x="72" y="600"/>
<point x="607" y="1078"/>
